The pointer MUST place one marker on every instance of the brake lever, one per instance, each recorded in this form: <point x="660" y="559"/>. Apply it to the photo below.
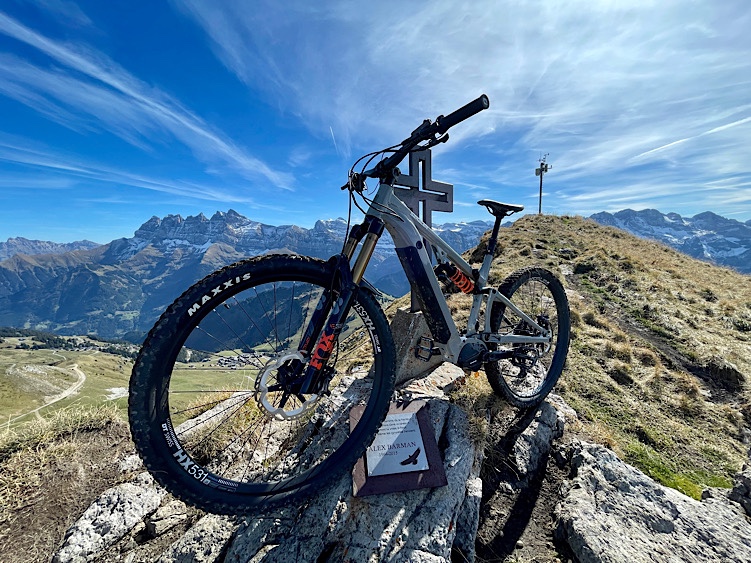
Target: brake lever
<point x="355" y="183"/>
<point x="419" y="132"/>
<point x="437" y="140"/>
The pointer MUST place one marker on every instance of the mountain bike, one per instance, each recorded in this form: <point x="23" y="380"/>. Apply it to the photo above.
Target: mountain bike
<point x="240" y="397"/>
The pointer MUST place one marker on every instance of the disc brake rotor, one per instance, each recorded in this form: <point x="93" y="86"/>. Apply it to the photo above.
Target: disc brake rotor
<point x="269" y="387"/>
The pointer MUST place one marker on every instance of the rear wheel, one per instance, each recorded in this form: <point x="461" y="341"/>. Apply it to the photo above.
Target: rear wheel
<point x="215" y="405"/>
<point x="531" y="370"/>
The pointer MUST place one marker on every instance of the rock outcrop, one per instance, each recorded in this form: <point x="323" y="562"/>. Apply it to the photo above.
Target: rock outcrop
<point x="605" y="510"/>
<point x="414" y="526"/>
<point x="611" y="512"/>
<point x="741" y="492"/>
<point x="116" y="513"/>
<point x="420" y="525"/>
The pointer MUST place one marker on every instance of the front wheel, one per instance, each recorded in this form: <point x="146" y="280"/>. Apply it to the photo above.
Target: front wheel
<point x="216" y="408"/>
<point x="530" y="371"/>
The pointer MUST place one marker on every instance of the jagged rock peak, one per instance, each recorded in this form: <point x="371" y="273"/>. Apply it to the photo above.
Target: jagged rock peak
<point x="177" y="227"/>
<point x="330" y="225"/>
<point x="150" y="226"/>
<point x="712" y="220"/>
<point x="200" y="218"/>
<point x="675" y="217"/>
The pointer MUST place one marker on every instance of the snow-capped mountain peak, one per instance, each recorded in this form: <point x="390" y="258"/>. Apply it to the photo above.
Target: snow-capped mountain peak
<point x="707" y="236"/>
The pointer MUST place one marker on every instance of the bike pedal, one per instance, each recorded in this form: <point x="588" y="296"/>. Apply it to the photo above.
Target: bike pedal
<point x="425" y="349"/>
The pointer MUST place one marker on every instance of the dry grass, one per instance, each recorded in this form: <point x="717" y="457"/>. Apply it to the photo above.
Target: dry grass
<point x="60" y="424"/>
<point x="476" y="398"/>
<point x="31" y="458"/>
<point x="661" y="346"/>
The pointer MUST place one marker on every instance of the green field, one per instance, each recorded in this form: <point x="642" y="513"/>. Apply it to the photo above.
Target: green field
<point x="31" y="378"/>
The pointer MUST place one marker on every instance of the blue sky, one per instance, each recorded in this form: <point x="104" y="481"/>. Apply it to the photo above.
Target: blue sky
<point x="111" y="112"/>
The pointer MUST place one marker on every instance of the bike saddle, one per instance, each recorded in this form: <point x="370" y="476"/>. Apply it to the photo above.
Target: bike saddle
<point x="500" y="209"/>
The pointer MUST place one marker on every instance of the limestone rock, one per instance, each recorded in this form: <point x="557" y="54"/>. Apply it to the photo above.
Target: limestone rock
<point x="562" y="407"/>
<point x="741" y="492"/>
<point x="166" y="517"/>
<point x="131" y="463"/>
<point x="205" y="542"/>
<point x="440" y="381"/>
<point x="612" y="513"/>
<point x="111" y="517"/>
<point x="531" y="448"/>
<point x="416" y="526"/>
<point x="469" y="517"/>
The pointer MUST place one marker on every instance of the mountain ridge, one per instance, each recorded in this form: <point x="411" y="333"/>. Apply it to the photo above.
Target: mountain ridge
<point x="120" y="288"/>
<point x="706" y="236"/>
<point x="21" y="245"/>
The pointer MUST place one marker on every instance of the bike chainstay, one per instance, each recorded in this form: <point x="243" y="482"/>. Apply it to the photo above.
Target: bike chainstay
<point x="326" y="324"/>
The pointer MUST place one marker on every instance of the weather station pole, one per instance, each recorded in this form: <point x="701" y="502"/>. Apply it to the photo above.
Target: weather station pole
<point x="544" y="167"/>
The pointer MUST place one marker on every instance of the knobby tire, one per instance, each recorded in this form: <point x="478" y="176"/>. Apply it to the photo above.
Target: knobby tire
<point x="529" y="376"/>
<point x="195" y="411"/>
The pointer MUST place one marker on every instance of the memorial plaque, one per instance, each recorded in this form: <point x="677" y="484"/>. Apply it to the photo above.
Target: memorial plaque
<point x="404" y="454"/>
<point x="398" y="447"/>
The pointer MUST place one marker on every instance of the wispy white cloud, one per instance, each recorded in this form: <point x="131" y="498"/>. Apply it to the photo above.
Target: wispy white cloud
<point x="93" y="85"/>
<point x="35" y="182"/>
<point x="617" y="92"/>
<point x="67" y="11"/>
<point x="68" y="170"/>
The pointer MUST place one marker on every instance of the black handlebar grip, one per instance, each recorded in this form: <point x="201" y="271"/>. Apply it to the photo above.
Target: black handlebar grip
<point x="473" y="107"/>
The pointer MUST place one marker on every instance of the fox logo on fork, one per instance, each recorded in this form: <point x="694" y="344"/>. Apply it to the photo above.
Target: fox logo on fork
<point x="323" y="350"/>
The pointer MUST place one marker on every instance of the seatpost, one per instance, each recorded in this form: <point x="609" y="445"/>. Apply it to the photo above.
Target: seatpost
<point x="494" y="237"/>
<point x="489" y="252"/>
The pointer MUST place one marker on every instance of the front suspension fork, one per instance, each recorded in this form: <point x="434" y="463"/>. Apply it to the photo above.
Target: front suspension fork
<point x="333" y="308"/>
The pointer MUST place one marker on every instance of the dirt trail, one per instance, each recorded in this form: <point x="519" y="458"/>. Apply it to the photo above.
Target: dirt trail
<point x="72" y="390"/>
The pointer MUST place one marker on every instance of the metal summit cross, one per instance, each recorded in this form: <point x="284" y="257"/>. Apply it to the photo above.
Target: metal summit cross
<point x="434" y="196"/>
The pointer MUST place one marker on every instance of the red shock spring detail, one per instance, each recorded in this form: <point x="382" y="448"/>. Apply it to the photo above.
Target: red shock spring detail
<point x="462" y="281"/>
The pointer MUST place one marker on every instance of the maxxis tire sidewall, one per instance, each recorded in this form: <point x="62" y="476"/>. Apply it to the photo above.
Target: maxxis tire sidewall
<point x="162" y="344"/>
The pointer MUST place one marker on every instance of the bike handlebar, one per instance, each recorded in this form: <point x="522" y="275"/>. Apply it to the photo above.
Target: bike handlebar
<point x="428" y="131"/>
<point x="465" y="112"/>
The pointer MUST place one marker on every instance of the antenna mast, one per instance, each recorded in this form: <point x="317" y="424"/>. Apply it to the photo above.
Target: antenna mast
<point x="544" y="167"/>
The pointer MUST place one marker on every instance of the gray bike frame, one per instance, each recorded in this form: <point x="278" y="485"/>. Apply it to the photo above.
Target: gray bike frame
<point x="408" y="233"/>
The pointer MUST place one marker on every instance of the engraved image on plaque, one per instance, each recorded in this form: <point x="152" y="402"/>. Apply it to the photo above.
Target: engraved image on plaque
<point x="398" y="447"/>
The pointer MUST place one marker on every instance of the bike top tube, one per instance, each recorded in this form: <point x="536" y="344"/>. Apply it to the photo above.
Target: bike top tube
<point x="405" y="216"/>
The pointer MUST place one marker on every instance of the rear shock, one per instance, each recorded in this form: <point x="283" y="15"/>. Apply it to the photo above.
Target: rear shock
<point x="456" y="276"/>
